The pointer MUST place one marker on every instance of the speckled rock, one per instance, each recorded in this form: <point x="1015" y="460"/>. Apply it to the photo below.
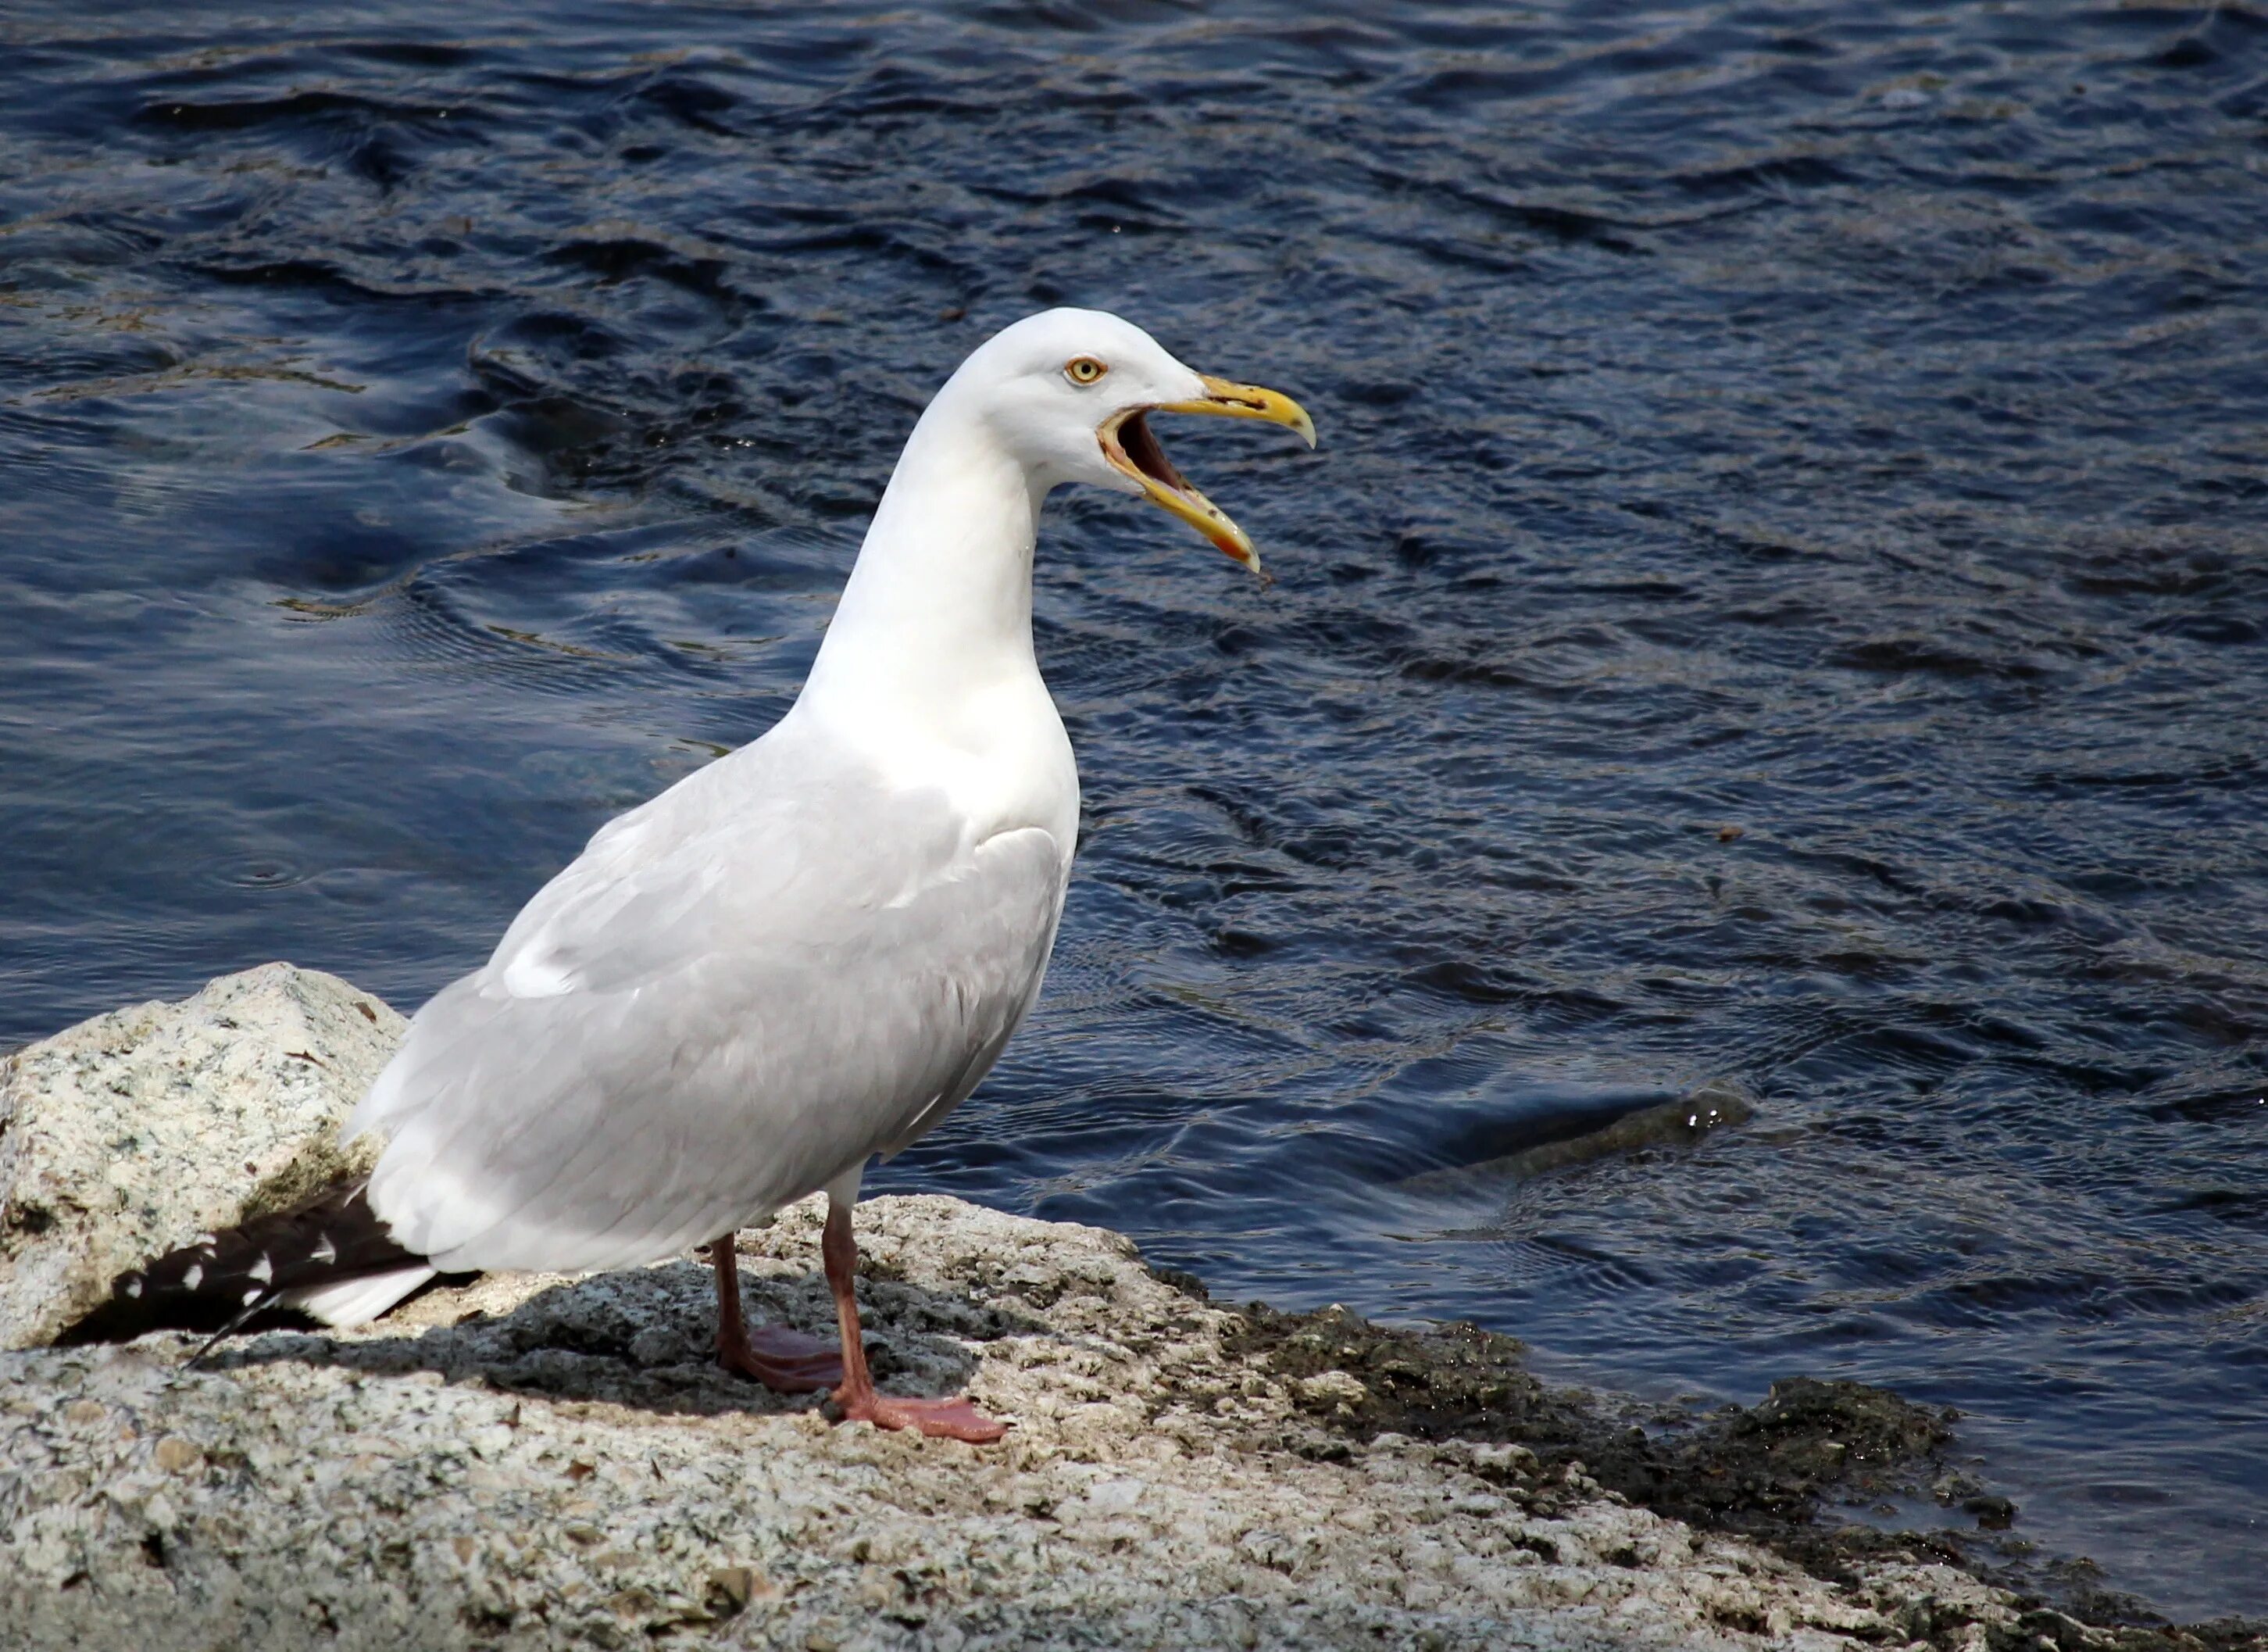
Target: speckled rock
<point x="133" y="1131"/>
<point x="535" y="1462"/>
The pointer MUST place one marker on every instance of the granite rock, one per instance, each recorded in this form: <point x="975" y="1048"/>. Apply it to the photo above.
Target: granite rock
<point x="133" y="1131"/>
<point x="536" y="1461"/>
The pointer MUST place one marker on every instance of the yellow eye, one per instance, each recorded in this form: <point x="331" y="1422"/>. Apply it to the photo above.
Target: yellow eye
<point x="1084" y="370"/>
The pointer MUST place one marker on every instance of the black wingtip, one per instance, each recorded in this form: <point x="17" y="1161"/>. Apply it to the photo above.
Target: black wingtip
<point x="220" y="1284"/>
<point x="258" y="1306"/>
<point x="121" y="1320"/>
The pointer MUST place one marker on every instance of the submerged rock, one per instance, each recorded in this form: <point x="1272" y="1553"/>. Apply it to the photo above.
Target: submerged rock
<point x="136" y="1131"/>
<point x="1712" y="1106"/>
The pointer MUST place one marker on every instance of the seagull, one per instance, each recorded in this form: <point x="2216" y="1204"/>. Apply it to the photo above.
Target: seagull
<point x="802" y="955"/>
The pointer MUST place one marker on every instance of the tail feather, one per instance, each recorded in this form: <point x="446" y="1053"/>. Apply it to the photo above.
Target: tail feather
<point x="364" y="1297"/>
<point x="329" y="1259"/>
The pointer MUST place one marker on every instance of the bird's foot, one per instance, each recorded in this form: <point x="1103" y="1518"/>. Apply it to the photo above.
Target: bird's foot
<point x="784" y="1361"/>
<point x="953" y="1418"/>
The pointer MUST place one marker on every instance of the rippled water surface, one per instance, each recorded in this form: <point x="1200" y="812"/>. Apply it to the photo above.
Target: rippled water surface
<point x="1783" y="599"/>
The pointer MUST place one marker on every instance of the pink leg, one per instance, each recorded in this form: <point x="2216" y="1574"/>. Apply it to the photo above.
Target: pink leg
<point x="944" y="1419"/>
<point x="785" y="1362"/>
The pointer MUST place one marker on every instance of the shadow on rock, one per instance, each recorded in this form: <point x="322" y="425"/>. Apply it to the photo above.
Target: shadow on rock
<point x="645" y="1338"/>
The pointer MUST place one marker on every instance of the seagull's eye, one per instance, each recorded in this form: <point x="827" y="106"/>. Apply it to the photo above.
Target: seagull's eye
<point x="1084" y="370"/>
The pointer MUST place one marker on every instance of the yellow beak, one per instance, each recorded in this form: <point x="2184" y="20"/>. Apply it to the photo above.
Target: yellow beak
<point x="1131" y="447"/>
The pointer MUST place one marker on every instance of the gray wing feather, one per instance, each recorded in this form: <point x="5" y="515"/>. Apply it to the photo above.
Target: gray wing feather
<point x="731" y="998"/>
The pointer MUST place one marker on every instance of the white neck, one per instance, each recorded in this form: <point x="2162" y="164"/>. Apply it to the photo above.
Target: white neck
<point x="940" y="603"/>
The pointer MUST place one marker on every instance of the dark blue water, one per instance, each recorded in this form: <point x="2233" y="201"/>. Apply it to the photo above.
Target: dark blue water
<point x="426" y="431"/>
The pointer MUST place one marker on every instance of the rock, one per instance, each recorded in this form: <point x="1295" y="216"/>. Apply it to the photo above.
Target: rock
<point x="1716" y="1105"/>
<point x="136" y="1131"/>
<point x="544" y="1462"/>
<point x="537" y="1462"/>
<point x="1994" y="1514"/>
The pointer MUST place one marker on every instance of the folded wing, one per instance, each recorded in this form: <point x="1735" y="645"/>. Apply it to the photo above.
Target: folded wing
<point x="731" y="998"/>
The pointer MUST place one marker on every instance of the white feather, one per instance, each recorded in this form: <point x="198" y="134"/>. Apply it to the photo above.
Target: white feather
<point x="356" y="1301"/>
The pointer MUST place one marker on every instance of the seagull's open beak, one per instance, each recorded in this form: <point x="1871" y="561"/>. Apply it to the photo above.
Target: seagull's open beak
<point x="1130" y="445"/>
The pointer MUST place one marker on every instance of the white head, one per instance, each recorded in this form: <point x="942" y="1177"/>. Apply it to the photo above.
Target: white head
<point x="1067" y="392"/>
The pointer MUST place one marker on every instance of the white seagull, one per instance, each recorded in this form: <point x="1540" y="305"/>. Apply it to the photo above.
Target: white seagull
<point x="804" y="955"/>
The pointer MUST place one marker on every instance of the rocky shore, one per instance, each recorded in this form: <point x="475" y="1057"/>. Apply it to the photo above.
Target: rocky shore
<point x="541" y="1461"/>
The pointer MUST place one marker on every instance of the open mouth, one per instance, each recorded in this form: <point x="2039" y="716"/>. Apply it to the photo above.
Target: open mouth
<point x="1140" y="447"/>
<point x="1133" y="447"/>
